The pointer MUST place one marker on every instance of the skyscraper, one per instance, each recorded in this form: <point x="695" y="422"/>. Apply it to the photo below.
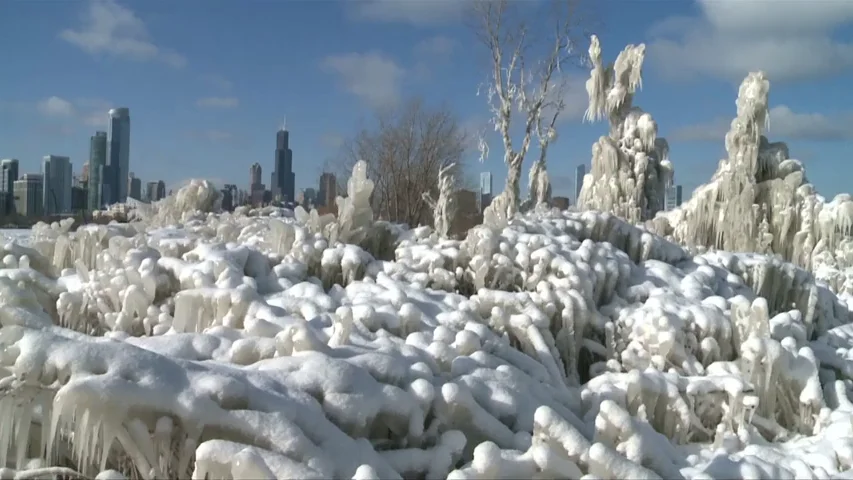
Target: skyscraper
<point x="672" y="197"/>
<point x="151" y="192"/>
<point x="97" y="165"/>
<point x="56" y="171"/>
<point x="134" y="187"/>
<point x="28" y="195"/>
<point x="485" y="190"/>
<point x="255" y="175"/>
<point x="328" y="190"/>
<point x="8" y="175"/>
<point x="161" y="190"/>
<point x="284" y="179"/>
<point x="118" y="158"/>
<point x="580" y="172"/>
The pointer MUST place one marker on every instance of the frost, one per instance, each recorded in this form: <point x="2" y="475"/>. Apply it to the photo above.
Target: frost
<point x="630" y="166"/>
<point x="444" y="208"/>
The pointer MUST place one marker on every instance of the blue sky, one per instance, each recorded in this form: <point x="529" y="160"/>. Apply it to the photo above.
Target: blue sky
<point x="208" y="82"/>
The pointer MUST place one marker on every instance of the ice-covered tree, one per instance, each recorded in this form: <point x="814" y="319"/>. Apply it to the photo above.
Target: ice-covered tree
<point x="444" y="207"/>
<point x="630" y="166"/>
<point x="777" y="210"/>
<point x="532" y="88"/>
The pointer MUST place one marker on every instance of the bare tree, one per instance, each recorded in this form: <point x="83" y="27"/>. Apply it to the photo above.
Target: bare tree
<point x="405" y="149"/>
<point x="534" y="87"/>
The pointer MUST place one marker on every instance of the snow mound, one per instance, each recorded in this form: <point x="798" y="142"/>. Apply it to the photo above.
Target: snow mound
<point x="565" y="345"/>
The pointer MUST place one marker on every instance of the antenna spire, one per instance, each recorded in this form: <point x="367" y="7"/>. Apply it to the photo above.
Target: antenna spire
<point x="284" y="123"/>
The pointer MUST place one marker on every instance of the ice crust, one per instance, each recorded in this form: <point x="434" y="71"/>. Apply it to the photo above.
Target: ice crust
<point x="566" y="345"/>
<point x="269" y="343"/>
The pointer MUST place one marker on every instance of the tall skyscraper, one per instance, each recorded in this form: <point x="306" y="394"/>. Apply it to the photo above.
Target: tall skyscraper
<point x="284" y="179"/>
<point x="118" y="157"/>
<point x="97" y="165"/>
<point x="580" y="172"/>
<point x="8" y="175"/>
<point x="56" y="171"/>
<point x="328" y="190"/>
<point x="486" y="192"/>
<point x="29" y="198"/>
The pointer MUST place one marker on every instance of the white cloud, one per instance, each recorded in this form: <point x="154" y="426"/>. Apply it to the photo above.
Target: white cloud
<point x="372" y="77"/>
<point x="55" y="107"/>
<point x="217" y="102"/>
<point x="111" y="29"/>
<point x="785" y="124"/>
<point x="218" y="81"/>
<point x="438" y="46"/>
<point x="790" y="40"/>
<point x="91" y="112"/>
<point x="414" y="12"/>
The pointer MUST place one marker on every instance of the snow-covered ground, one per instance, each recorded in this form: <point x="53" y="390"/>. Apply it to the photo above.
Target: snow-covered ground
<point x="566" y="345"/>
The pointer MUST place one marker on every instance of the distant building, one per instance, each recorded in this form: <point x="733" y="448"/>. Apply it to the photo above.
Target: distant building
<point x="673" y="197"/>
<point x="118" y="157"/>
<point x="56" y="172"/>
<point x="229" y="197"/>
<point x="29" y="199"/>
<point x="8" y="175"/>
<point x="328" y="190"/>
<point x="79" y="198"/>
<point x="309" y="197"/>
<point x="84" y="173"/>
<point x="255" y="176"/>
<point x="560" y="202"/>
<point x="580" y="172"/>
<point x="486" y="191"/>
<point x="150" y="193"/>
<point x="161" y="190"/>
<point x="283" y="180"/>
<point x="134" y="187"/>
<point x="97" y="164"/>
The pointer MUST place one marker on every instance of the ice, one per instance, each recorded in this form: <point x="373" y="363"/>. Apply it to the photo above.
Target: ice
<point x="269" y="343"/>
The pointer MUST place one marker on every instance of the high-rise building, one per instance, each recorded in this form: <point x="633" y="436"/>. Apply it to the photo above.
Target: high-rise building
<point x="309" y="196"/>
<point x="284" y="181"/>
<point x="151" y="192"/>
<point x="97" y="165"/>
<point x="8" y="175"/>
<point x="673" y="197"/>
<point x="56" y="171"/>
<point x="486" y="191"/>
<point x="229" y="197"/>
<point x="134" y="187"/>
<point x="161" y="190"/>
<point x="118" y="157"/>
<point x="29" y="200"/>
<point x="580" y="172"/>
<point x="79" y="198"/>
<point x="328" y="190"/>
<point x="84" y="172"/>
<point x="255" y="175"/>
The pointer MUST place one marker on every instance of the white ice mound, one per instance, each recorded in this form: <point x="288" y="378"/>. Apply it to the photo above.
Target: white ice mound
<point x="778" y="211"/>
<point x="630" y="166"/>
<point x="565" y="345"/>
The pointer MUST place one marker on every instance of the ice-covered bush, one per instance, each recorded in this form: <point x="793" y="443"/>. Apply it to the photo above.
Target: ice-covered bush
<point x="630" y="166"/>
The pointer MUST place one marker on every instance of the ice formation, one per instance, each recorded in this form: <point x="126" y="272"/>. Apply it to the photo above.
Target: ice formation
<point x="778" y="211"/>
<point x="630" y="166"/>
<point x="266" y="344"/>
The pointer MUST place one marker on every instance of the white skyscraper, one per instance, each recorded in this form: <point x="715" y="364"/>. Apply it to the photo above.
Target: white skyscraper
<point x="56" y="191"/>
